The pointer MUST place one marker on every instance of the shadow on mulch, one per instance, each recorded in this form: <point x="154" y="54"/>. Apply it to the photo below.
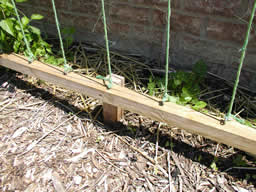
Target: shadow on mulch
<point x="180" y="147"/>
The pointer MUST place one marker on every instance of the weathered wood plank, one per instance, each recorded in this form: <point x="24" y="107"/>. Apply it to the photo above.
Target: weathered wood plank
<point x="112" y="114"/>
<point x="232" y="133"/>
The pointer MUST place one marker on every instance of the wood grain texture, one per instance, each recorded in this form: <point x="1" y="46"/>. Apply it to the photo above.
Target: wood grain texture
<point x="233" y="133"/>
<point x="112" y="114"/>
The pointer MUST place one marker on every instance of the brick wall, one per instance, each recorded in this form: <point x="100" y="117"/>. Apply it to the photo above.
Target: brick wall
<point x="212" y="30"/>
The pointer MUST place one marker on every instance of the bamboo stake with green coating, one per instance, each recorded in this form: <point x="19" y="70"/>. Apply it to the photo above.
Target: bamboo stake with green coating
<point x="241" y="61"/>
<point x="110" y="84"/>
<point x="165" y="98"/>
<point x="67" y="68"/>
<point x="31" y="56"/>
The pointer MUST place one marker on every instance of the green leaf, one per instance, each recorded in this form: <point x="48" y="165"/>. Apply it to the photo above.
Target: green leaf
<point x="16" y="46"/>
<point x="173" y="99"/>
<point x="54" y="61"/>
<point x="43" y="43"/>
<point x="177" y="82"/>
<point x="194" y="101"/>
<point x="181" y="75"/>
<point x="199" y="105"/>
<point x="20" y="1"/>
<point x="200" y="69"/>
<point x="17" y="27"/>
<point x="49" y="50"/>
<point x="7" y="25"/>
<point x="35" y="30"/>
<point x="68" y="30"/>
<point x="160" y="83"/>
<point x="186" y="91"/>
<point x="68" y="41"/>
<point x="29" y="37"/>
<point x="4" y="1"/>
<point x="150" y="79"/>
<point x="239" y="161"/>
<point x="151" y="88"/>
<point x="214" y="166"/>
<point x="20" y="36"/>
<point x="25" y="20"/>
<point x="2" y="36"/>
<point x="7" y="4"/>
<point x="36" y="16"/>
<point x="186" y="98"/>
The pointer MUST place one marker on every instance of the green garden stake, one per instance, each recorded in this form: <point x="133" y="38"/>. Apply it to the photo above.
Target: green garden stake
<point x="67" y="68"/>
<point x="110" y="84"/>
<point x="228" y="115"/>
<point x="165" y="97"/>
<point x="30" y="54"/>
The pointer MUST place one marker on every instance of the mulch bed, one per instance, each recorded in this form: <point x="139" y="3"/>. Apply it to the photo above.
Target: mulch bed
<point x="52" y="139"/>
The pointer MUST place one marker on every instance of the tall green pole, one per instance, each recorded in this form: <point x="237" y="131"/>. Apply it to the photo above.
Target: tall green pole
<point x="241" y="61"/>
<point x="31" y="56"/>
<point x="109" y="85"/>
<point x="67" y="68"/>
<point x="165" y="98"/>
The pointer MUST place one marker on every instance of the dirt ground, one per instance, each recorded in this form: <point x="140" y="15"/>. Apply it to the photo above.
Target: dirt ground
<point x="52" y="139"/>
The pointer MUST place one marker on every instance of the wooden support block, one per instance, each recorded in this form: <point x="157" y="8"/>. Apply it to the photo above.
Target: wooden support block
<point x="111" y="113"/>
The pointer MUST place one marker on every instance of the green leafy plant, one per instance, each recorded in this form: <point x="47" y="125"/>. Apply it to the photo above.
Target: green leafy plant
<point x="214" y="164"/>
<point x="131" y="129"/>
<point x="11" y="37"/>
<point x="184" y="87"/>
<point x="68" y="39"/>
<point x="68" y="36"/>
<point x="239" y="160"/>
<point x="53" y="60"/>
<point x="170" y="144"/>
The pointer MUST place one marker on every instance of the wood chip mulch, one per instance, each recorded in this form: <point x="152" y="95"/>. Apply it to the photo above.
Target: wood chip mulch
<point x="53" y="140"/>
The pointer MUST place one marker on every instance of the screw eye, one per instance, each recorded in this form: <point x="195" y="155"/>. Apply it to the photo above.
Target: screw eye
<point x="222" y="122"/>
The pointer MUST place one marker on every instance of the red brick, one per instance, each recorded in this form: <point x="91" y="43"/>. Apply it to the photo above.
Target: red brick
<point x="45" y="3"/>
<point x="159" y="18"/>
<point x="157" y="36"/>
<point x="87" y="6"/>
<point x="248" y="70"/>
<point x="179" y="22"/>
<point x="218" y="7"/>
<point x="140" y="33"/>
<point x="146" y="34"/>
<point x="85" y="22"/>
<point x="252" y="41"/>
<point x="97" y="27"/>
<point x="158" y="3"/>
<point x="139" y="30"/>
<point x="116" y="28"/>
<point x="226" y="31"/>
<point x="48" y="16"/>
<point x="130" y="14"/>
<point x="63" y="4"/>
<point x="66" y="18"/>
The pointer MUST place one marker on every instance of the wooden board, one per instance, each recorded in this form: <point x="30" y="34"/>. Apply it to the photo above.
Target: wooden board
<point x="232" y="133"/>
